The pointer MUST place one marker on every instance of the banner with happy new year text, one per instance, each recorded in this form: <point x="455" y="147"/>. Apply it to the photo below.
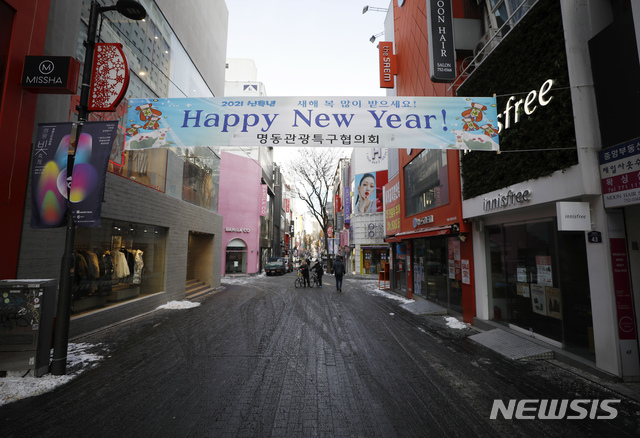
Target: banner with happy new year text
<point x="392" y="122"/>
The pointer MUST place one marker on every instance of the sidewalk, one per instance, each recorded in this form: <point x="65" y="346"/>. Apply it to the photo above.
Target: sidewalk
<point x="517" y="346"/>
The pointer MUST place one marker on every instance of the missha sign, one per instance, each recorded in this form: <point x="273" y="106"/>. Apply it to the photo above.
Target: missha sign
<point x="442" y="55"/>
<point x="51" y="74"/>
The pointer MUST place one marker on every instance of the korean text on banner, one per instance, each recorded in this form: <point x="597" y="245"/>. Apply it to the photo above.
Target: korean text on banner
<point x="393" y="122"/>
<point x="49" y="173"/>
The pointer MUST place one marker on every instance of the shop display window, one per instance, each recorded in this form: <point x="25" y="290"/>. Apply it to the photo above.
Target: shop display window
<point x="540" y="282"/>
<point x="236" y="257"/>
<point x="147" y="167"/>
<point x="426" y="182"/>
<point x="437" y="272"/>
<point x="373" y="259"/>
<point x="116" y="262"/>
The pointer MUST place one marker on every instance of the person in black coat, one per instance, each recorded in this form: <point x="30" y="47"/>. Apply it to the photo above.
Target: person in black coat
<point x="305" y="273"/>
<point x="319" y="271"/>
<point x="338" y="271"/>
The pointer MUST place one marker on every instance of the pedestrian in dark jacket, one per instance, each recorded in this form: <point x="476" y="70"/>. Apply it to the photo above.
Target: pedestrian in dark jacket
<point x="338" y="271"/>
<point x="319" y="271"/>
<point x="305" y="273"/>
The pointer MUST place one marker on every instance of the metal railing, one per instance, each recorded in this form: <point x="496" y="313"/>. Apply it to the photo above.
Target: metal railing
<point x="497" y="33"/>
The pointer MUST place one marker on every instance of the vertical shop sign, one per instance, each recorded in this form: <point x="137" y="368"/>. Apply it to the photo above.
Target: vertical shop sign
<point x="620" y="174"/>
<point x="388" y="68"/>
<point x="346" y="194"/>
<point x="264" y="202"/>
<point x="287" y="206"/>
<point x="49" y="173"/>
<point x="392" y="206"/>
<point x="442" y="56"/>
<point x="624" y="299"/>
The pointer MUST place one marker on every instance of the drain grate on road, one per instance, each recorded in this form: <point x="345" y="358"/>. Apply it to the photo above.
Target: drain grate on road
<point x="512" y="346"/>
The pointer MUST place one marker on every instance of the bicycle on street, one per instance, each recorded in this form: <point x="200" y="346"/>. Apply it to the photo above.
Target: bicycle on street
<point x="300" y="279"/>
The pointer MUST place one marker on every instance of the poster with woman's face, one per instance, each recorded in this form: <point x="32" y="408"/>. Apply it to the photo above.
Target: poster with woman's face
<point x="365" y="193"/>
<point x="368" y="192"/>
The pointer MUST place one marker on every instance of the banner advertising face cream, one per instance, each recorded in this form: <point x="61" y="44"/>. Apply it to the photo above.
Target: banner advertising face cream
<point x="468" y="123"/>
<point x="49" y="173"/>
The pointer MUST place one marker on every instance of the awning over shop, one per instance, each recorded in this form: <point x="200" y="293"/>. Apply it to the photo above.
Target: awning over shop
<point x="421" y="232"/>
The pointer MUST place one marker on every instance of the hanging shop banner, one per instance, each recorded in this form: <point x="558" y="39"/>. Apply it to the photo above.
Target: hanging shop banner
<point x="49" y="173"/>
<point x="346" y="194"/>
<point x="392" y="206"/>
<point x="469" y="123"/>
<point x="620" y="174"/>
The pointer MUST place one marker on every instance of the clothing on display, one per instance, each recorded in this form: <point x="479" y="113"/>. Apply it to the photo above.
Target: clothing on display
<point x="96" y="275"/>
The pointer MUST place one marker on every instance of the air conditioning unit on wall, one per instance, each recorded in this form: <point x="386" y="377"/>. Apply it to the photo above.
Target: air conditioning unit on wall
<point x="486" y="45"/>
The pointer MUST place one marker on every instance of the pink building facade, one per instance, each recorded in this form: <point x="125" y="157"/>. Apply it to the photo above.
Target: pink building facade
<point x="239" y="204"/>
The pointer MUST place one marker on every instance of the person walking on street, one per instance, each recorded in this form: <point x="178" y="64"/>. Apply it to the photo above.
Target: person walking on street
<point x="338" y="271"/>
<point x="319" y="271"/>
<point x="305" y="273"/>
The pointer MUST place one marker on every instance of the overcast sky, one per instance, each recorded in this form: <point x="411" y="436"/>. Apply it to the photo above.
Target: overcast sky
<point x="309" y="48"/>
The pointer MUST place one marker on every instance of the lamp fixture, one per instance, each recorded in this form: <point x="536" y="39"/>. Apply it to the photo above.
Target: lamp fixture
<point x="373" y="37"/>
<point x="371" y="8"/>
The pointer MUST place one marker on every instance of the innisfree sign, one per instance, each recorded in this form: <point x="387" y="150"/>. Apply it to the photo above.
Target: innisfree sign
<point x="469" y="123"/>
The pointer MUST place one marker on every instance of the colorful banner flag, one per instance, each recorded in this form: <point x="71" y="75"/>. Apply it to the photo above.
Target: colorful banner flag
<point x="49" y="173"/>
<point x="392" y="122"/>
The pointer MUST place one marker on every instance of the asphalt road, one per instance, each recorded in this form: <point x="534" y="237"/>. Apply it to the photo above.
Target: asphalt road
<point x="264" y="359"/>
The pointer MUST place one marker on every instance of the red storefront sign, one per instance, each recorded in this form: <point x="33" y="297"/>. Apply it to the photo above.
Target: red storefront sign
<point x="392" y="206"/>
<point x="388" y="66"/>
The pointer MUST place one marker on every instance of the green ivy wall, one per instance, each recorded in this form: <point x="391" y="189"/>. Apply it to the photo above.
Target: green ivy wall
<point x="530" y="55"/>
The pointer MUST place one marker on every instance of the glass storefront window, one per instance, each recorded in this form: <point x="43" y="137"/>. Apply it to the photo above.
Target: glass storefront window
<point x="159" y="67"/>
<point x="540" y="282"/>
<point x="426" y="181"/>
<point x="236" y="257"/>
<point x="437" y="273"/>
<point x="145" y="167"/>
<point x="373" y="259"/>
<point x="116" y="262"/>
<point x="200" y="176"/>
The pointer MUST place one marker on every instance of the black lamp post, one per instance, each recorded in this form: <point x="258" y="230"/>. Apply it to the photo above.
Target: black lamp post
<point x="134" y="11"/>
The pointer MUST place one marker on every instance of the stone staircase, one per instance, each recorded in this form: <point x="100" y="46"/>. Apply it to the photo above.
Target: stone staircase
<point x="197" y="288"/>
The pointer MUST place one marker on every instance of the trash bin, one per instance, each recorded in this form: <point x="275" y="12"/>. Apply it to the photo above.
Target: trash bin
<point x="26" y="324"/>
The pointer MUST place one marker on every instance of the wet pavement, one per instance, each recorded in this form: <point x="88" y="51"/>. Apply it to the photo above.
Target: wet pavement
<point x="263" y="359"/>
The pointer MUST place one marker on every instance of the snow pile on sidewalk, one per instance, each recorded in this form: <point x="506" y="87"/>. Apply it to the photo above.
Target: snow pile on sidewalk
<point x="15" y="387"/>
<point x="241" y="279"/>
<point x="372" y="287"/>
<point x="173" y="305"/>
<point x="454" y="323"/>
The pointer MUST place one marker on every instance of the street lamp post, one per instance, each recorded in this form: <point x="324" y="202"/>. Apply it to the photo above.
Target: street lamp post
<point x="134" y="11"/>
